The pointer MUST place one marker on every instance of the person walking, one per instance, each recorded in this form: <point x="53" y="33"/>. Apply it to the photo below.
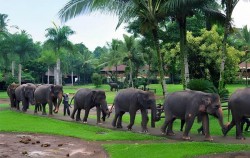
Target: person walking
<point x="66" y="104"/>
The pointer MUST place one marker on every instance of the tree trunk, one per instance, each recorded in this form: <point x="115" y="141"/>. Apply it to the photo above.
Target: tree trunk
<point x="58" y="73"/>
<point x="48" y="75"/>
<point x="246" y="75"/>
<point x="72" y="78"/>
<point x="130" y="74"/>
<point x="160" y="65"/>
<point x="20" y="74"/>
<point x="183" y="52"/>
<point x="13" y="68"/>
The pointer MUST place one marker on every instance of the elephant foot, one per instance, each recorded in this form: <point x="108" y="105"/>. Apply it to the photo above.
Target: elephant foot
<point x="163" y="132"/>
<point x="44" y="113"/>
<point x="35" y="113"/>
<point x="209" y="139"/>
<point x="78" y="119"/>
<point x="144" y="131"/>
<point x="119" y="126"/>
<point x="113" y="124"/>
<point x="171" y="133"/>
<point x="240" y="137"/>
<point x="186" y="138"/>
<point x="85" y="122"/>
<point x="129" y="129"/>
<point x="99" y="123"/>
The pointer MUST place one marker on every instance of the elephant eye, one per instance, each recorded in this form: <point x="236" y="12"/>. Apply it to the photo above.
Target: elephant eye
<point x="216" y="106"/>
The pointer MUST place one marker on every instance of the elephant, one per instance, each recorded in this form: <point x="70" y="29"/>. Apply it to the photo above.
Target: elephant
<point x="87" y="99"/>
<point x="239" y="106"/>
<point x="11" y="93"/>
<point x="25" y="94"/>
<point x="113" y="85"/>
<point x="186" y="105"/>
<point x="48" y="93"/>
<point x="131" y="100"/>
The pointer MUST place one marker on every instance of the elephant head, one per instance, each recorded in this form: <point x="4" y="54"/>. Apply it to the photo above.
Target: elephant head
<point x="210" y="103"/>
<point x="11" y="89"/>
<point x="99" y="98"/>
<point x="57" y="93"/>
<point x="28" y="92"/>
<point x="147" y="101"/>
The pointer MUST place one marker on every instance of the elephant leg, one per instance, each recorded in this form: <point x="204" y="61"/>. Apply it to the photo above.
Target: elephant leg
<point x="201" y="130"/>
<point x="144" y="115"/>
<point x="44" y="109"/>
<point x="25" y="105"/>
<point x="170" y="128"/>
<point x="238" y="130"/>
<point x="78" y="115"/>
<point x="182" y="124"/>
<point x="242" y="123"/>
<point x="229" y="127"/>
<point x="132" y="119"/>
<point x="248" y="124"/>
<point x="168" y="119"/>
<point x="119" y="122"/>
<point x="115" y="119"/>
<point x="205" y="125"/>
<point x="86" y="115"/>
<point x="36" y="107"/>
<point x="17" y="105"/>
<point x="73" y="113"/>
<point x="98" y="112"/>
<point x="50" y="108"/>
<point x="189" y="124"/>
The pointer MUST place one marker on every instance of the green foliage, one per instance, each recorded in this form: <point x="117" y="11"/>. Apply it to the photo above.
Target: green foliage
<point x="96" y="79"/>
<point x="199" y="85"/>
<point x="10" y="79"/>
<point x="1" y="77"/>
<point x="223" y="93"/>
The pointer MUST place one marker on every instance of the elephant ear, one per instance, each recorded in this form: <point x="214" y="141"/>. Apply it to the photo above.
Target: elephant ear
<point x="205" y="101"/>
<point x="51" y="90"/>
<point x="142" y="99"/>
<point x="23" y="93"/>
<point x="93" y="97"/>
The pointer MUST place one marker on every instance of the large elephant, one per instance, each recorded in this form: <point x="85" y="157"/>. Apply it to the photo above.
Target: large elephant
<point x="186" y="105"/>
<point x="25" y="94"/>
<point x="131" y="100"/>
<point x="11" y="93"/>
<point x="240" y="108"/>
<point x="48" y="93"/>
<point x="113" y="85"/>
<point x="87" y="99"/>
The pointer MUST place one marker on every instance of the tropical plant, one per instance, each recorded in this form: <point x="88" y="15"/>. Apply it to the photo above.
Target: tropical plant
<point x="229" y="6"/>
<point x="149" y="13"/>
<point x="57" y="38"/>
<point x="96" y="79"/>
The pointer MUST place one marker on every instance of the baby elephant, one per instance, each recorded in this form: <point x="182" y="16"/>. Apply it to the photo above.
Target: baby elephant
<point x="186" y="105"/>
<point x="130" y="100"/>
<point x="87" y="99"/>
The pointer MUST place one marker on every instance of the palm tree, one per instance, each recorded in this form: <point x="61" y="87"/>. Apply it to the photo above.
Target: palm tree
<point x="180" y="10"/>
<point x="229" y="6"/>
<point x="149" y="13"/>
<point x="3" y="24"/>
<point x="57" y="39"/>
<point x="129" y="42"/>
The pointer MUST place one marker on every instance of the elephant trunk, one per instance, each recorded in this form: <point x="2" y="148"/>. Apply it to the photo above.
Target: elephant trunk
<point x="153" y="115"/>
<point x="59" y="97"/>
<point x="219" y="115"/>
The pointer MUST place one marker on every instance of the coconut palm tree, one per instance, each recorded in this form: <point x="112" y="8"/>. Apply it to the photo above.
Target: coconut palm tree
<point x="148" y="12"/>
<point x="229" y="6"/>
<point x="57" y="38"/>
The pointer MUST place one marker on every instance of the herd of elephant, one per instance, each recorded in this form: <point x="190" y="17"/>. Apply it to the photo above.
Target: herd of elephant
<point x="185" y="105"/>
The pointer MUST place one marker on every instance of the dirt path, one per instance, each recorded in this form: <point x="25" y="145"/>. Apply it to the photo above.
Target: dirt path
<point x="228" y="155"/>
<point x="36" y="145"/>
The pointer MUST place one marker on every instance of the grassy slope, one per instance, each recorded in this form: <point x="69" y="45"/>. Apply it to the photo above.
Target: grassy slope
<point x="172" y="150"/>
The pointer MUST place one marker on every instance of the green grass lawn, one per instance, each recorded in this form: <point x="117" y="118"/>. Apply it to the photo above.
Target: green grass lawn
<point x="36" y="124"/>
<point x="171" y="150"/>
<point x="3" y="95"/>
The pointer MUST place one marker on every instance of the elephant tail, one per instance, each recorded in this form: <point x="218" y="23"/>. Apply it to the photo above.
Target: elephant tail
<point x="71" y="100"/>
<point x="228" y="111"/>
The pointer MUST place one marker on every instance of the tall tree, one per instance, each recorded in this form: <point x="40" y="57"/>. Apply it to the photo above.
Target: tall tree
<point x="57" y="38"/>
<point x="180" y="10"/>
<point x="229" y="6"/>
<point x="149" y="12"/>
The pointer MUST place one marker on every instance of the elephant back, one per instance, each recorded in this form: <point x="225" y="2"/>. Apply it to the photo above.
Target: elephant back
<point x="42" y="92"/>
<point x="19" y="92"/>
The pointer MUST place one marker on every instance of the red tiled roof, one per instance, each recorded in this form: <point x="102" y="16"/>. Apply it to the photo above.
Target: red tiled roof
<point x="119" y="68"/>
<point x="243" y="65"/>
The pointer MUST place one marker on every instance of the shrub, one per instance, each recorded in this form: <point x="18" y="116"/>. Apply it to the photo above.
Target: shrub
<point x="223" y="93"/>
<point x="199" y="85"/>
<point x="96" y="79"/>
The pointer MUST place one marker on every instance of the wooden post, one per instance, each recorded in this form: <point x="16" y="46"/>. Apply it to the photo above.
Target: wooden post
<point x="20" y="74"/>
<point x="58" y="73"/>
